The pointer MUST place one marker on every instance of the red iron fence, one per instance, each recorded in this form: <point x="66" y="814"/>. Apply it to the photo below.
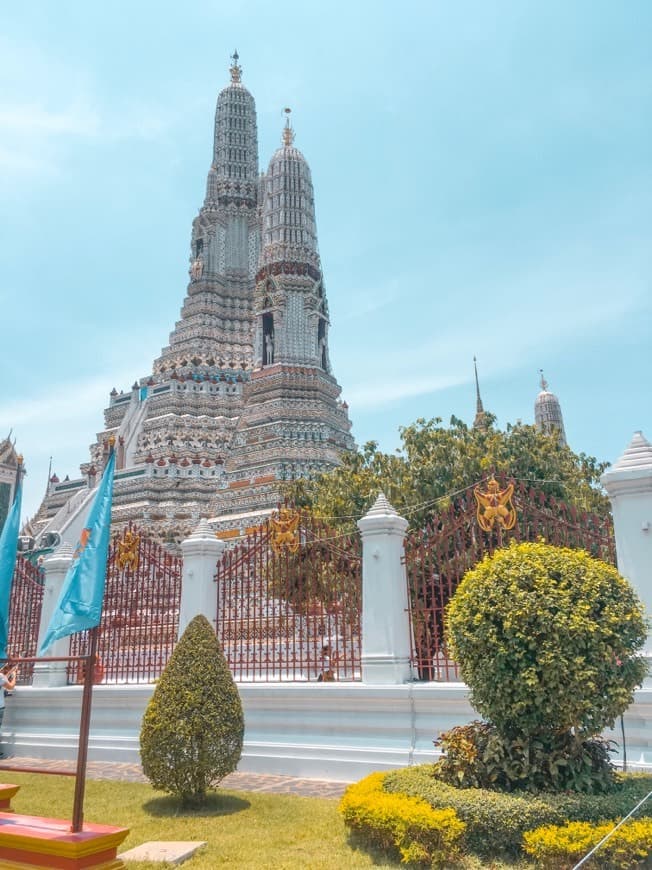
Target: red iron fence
<point x="438" y="555"/>
<point x="140" y="618"/>
<point x="289" y="602"/>
<point x="25" y="615"/>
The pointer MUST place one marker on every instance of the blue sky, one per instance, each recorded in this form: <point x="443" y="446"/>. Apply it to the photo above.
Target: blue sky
<point x="483" y="183"/>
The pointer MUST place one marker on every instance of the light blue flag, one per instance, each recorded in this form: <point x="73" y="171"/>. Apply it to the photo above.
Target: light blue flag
<point x="80" y="603"/>
<point x="8" y="550"/>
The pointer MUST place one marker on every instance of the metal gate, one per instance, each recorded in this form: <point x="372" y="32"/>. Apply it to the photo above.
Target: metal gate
<point x="289" y="602"/>
<point x="438" y="555"/>
<point x="140" y="617"/>
<point x="25" y="606"/>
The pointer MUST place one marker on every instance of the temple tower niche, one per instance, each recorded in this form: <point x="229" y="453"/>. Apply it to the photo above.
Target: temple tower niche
<point x="547" y="413"/>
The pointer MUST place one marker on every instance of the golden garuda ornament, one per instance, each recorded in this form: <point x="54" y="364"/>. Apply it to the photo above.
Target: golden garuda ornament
<point x="495" y="506"/>
<point x="127" y="555"/>
<point x="285" y="531"/>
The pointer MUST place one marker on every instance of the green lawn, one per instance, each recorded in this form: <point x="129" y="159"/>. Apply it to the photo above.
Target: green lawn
<point x="242" y="830"/>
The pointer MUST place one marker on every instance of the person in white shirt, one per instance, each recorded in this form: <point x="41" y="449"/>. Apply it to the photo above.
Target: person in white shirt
<point x="7" y="684"/>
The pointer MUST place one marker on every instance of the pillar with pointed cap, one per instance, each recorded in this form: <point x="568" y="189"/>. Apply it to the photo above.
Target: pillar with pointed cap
<point x="56" y="567"/>
<point x="386" y="637"/>
<point x="198" y="588"/>
<point x="629" y="486"/>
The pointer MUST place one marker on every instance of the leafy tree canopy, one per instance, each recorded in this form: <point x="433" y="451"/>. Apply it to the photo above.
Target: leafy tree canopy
<point x="435" y="461"/>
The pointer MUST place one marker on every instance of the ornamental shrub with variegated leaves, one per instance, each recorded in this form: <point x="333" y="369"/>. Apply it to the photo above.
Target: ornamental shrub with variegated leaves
<point x="548" y="640"/>
<point x="193" y="727"/>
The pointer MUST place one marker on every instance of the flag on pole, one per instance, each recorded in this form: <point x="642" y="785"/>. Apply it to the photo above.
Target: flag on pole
<point x="80" y="603"/>
<point x="8" y="550"/>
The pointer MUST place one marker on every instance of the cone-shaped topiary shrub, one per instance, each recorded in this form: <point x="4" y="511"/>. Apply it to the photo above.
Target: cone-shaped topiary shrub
<point x="192" y="730"/>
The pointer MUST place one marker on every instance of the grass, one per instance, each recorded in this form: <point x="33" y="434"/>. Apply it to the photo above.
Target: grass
<point x="241" y="829"/>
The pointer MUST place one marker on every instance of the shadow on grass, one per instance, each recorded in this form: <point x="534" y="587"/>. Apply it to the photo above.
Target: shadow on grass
<point x="216" y="804"/>
<point x="379" y="857"/>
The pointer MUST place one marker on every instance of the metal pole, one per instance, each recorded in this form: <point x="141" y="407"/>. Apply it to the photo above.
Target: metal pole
<point x="84" y="730"/>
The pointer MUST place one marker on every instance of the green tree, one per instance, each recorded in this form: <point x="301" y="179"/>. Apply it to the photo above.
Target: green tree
<point x="435" y="461"/>
<point x="193" y="727"/>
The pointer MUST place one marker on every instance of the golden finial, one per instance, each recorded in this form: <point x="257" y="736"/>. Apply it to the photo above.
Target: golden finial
<point x="111" y="442"/>
<point x="544" y="382"/>
<point x="236" y="69"/>
<point x="19" y="459"/>
<point x="288" y="132"/>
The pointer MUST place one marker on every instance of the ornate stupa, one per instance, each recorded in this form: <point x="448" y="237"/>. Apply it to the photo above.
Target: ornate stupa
<point x="243" y="396"/>
<point x="547" y="413"/>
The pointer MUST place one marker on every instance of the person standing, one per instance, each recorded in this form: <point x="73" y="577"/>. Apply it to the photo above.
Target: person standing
<point x="7" y="684"/>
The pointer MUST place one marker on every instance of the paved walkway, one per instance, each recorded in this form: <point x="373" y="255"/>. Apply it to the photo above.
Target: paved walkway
<point x="133" y="773"/>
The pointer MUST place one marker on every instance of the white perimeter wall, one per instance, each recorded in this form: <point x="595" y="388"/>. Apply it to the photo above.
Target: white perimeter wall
<point x="318" y="731"/>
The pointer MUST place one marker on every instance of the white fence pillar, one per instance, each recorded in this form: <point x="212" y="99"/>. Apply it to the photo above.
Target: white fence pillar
<point x="198" y="587"/>
<point x="56" y="567"/>
<point x="629" y="487"/>
<point x="385" y="612"/>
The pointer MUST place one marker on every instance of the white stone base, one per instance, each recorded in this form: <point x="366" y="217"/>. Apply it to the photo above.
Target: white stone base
<point x="334" y="731"/>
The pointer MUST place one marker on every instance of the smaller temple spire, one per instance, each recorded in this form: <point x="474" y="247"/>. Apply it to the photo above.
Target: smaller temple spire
<point x="288" y="132"/>
<point x="480" y="421"/>
<point x="547" y="412"/>
<point x="236" y="69"/>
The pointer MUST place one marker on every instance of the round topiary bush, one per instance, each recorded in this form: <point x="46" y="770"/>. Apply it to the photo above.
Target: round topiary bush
<point x="193" y="727"/>
<point x="547" y="640"/>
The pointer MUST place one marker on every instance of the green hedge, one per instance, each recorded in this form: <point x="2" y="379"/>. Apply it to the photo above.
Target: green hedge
<point x="396" y="822"/>
<point x="496" y="821"/>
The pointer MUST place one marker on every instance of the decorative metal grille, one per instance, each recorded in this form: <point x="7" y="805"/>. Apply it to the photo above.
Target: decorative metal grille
<point x="25" y="606"/>
<point x="438" y="555"/>
<point x="289" y="602"/>
<point x="140" y="618"/>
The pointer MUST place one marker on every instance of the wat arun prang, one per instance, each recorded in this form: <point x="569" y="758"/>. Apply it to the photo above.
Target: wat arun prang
<point x="243" y="398"/>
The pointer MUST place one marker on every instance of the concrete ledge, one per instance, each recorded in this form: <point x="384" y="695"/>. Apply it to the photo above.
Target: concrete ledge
<point x="333" y="731"/>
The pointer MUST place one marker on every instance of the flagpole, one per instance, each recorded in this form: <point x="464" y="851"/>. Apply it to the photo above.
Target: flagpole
<point x="84" y="731"/>
<point x="85" y="716"/>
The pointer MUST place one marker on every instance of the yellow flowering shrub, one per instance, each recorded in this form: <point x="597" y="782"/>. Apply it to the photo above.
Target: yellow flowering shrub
<point x="562" y="846"/>
<point x="420" y="833"/>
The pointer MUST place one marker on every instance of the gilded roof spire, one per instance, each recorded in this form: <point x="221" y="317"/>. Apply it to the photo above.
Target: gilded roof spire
<point x="236" y="69"/>
<point x="544" y="382"/>
<point x="288" y="132"/>
<point x="480" y="421"/>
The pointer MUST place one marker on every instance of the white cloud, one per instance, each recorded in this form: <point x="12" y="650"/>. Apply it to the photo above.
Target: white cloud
<point x="507" y="341"/>
<point x="75" y="120"/>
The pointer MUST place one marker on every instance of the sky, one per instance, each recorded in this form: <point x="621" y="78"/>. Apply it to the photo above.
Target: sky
<point x="483" y="186"/>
